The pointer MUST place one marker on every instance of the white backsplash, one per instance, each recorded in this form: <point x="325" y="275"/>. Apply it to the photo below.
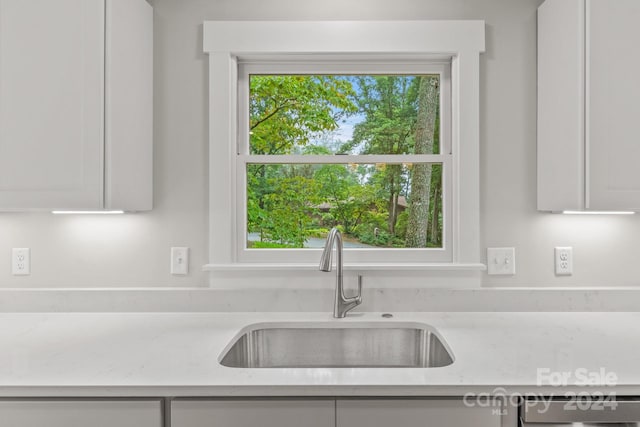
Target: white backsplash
<point x="319" y="300"/>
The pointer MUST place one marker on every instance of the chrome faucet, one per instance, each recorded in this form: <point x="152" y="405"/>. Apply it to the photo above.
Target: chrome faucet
<point x="342" y="304"/>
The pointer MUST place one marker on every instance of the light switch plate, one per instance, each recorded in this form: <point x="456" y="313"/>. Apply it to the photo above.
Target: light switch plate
<point x="21" y="261"/>
<point x="180" y="261"/>
<point x="501" y="261"/>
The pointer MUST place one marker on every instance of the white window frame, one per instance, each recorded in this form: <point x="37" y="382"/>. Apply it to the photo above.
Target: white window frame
<point x="321" y="65"/>
<point x="366" y="47"/>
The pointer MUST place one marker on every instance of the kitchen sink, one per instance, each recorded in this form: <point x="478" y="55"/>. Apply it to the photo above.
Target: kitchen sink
<point x="335" y="345"/>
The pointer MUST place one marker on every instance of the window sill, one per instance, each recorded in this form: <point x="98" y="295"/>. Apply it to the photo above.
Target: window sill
<point x="348" y="267"/>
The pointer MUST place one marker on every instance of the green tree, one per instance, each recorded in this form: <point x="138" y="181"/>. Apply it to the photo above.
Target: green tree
<point x="349" y="200"/>
<point x="421" y="179"/>
<point x="286" y="113"/>
<point x="288" y="212"/>
<point x="389" y="106"/>
<point x="292" y="115"/>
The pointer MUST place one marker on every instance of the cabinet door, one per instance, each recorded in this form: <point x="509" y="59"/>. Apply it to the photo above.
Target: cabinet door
<point x="51" y="104"/>
<point x="560" y="129"/>
<point x="80" y="413"/>
<point x="613" y="106"/>
<point x="415" y="413"/>
<point x="251" y="413"/>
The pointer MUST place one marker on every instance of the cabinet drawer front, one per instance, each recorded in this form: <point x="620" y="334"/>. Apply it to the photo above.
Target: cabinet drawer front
<point x="416" y="413"/>
<point x="80" y="413"/>
<point x="251" y="413"/>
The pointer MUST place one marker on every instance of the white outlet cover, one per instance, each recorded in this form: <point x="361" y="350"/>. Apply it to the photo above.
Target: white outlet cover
<point x="563" y="260"/>
<point x="21" y="261"/>
<point x="501" y="261"/>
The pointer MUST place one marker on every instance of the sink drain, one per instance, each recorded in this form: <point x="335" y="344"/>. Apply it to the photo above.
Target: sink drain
<point x="387" y="315"/>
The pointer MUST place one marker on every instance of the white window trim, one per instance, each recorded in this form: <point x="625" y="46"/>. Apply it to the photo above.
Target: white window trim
<point x="227" y="42"/>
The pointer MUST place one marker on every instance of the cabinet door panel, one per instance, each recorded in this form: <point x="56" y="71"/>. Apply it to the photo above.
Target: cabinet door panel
<point x="251" y="413"/>
<point x="613" y="107"/>
<point x="84" y="413"/>
<point x="129" y="105"/>
<point x="560" y="105"/>
<point x="51" y="103"/>
<point x="414" y="413"/>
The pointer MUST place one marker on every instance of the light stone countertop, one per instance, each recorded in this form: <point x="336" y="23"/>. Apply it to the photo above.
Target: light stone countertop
<point x="176" y="354"/>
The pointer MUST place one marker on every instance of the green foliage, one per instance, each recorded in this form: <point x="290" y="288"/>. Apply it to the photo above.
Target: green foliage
<point x="320" y="233"/>
<point x="269" y="245"/>
<point x="382" y="238"/>
<point x="389" y="104"/>
<point x="401" y="226"/>
<point x="283" y="216"/>
<point x="390" y="107"/>
<point x="286" y="112"/>
<point x="290" y="114"/>
<point x="349" y="200"/>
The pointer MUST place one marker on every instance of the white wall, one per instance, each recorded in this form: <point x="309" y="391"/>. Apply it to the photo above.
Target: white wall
<point x="85" y="252"/>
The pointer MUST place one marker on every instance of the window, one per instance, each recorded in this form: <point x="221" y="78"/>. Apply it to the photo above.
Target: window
<point x="367" y="151"/>
<point x="369" y="141"/>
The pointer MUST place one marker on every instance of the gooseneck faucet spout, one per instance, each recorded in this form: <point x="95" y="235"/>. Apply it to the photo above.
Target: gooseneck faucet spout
<point x="342" y="304"/>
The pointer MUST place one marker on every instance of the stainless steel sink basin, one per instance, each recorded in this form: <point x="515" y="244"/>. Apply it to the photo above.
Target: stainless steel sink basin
<point x="334" y="345"/>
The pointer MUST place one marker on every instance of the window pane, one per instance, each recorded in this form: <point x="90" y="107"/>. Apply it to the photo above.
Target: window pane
<point x="375" y="205"/>
<point x="344" y="114"/>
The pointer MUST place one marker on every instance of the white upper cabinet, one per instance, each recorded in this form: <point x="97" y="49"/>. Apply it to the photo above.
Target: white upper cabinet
<point x="588" y="105"/>
<point x="76" y="104"/>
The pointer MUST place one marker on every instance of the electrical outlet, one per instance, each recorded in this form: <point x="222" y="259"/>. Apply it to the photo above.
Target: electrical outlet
<point x="21" y="261"/>
<point x="564" y="260"/>
<point x="501" y="261"/>
<point x="180" y="261"/>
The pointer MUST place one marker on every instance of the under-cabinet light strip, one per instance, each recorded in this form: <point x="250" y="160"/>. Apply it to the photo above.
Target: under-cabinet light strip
<point x="87" y="212"/>
<point x="598" y="212"/>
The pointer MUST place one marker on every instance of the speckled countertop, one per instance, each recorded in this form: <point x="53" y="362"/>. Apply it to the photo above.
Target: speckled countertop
<point x="176" y="354"/>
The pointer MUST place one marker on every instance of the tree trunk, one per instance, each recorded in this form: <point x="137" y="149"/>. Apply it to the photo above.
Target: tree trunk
<point x="393" y="201"/>
<point x="434" y="234"/>
<point x="417" y="223"/>
<point x="393" y="215"/>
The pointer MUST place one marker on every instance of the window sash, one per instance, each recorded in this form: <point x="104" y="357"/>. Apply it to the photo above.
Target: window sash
<point x="352" y="255"/>
<point x="294" y="66"/>
<point x="317" y="67"/>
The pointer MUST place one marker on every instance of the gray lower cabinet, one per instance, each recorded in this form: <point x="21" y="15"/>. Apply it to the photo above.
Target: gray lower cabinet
<point x="418" y="413"/>
<point x="338" y="413"/>
<point x="252" y="413"/>
<point x="80" y="413"/>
